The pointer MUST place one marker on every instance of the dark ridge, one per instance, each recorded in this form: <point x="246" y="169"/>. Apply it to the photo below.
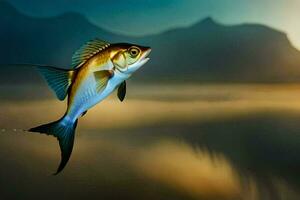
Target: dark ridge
<point x="204" y="52"/>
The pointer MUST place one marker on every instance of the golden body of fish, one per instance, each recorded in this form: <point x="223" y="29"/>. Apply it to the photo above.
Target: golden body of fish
<point x="99" y="68"/>
<point x="95" y="63"/>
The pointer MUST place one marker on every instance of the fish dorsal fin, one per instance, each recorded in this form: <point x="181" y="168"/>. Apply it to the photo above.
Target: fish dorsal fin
<point x="102" y="78"/>
<point x="87" y="51"/>
<point x="59" y="80"/>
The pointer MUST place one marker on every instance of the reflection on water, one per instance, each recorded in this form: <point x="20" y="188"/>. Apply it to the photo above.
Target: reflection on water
<point x="163" y="142"/>
<point x="195" y="172"/>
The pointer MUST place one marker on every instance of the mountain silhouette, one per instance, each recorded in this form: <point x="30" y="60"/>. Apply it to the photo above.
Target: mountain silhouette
<point x="209" y="51"/>
<point x="205" y="52"/>
<point x="49" y="41"/>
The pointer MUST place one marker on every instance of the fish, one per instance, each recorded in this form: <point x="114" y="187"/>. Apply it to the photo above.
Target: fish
<point x="98" y="69"/>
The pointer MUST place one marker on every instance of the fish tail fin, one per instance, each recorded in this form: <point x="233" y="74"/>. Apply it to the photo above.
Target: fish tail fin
<point x="64" y="131"/>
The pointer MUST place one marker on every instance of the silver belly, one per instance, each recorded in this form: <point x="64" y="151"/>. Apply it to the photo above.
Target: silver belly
<point x="88" y="97"/>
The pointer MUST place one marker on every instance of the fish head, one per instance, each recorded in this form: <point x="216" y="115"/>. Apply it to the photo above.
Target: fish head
<point x="128" y="58"/>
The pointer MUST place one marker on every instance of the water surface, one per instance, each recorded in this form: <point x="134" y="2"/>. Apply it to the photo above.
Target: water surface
<point x="163" y="142"/>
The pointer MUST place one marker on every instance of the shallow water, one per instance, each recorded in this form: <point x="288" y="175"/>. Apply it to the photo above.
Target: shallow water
<point x="163" y="142"/>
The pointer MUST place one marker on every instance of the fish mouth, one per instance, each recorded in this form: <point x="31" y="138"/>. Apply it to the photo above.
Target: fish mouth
<point x="145" y="55"/>
<point x="142" y="60"/>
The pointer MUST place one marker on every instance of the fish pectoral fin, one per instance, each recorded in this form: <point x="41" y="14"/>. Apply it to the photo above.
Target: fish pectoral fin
<point x="122" y="91"/>
<point x="58" y="79"/>
<point x="102" y="78"/>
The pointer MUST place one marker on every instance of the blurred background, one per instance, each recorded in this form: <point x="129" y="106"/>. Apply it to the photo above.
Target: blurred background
<point x="213" y="115"/>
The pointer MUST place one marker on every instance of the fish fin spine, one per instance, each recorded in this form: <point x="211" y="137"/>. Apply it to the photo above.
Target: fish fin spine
<point x="87" y="51"/>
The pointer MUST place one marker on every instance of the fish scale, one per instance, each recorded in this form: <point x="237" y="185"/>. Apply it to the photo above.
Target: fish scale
<point x="86" y="92"/>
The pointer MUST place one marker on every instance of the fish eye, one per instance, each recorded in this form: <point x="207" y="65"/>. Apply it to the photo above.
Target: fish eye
<point x="134" y="52"/>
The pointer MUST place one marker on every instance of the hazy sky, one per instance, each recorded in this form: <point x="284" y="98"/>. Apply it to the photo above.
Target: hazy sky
<point x="138" y="17"/>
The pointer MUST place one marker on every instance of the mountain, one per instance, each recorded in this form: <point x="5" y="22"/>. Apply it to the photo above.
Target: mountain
<point x="50" y="41"/>
<point x="209" y="51"/>
<point x="205" y="52"/>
